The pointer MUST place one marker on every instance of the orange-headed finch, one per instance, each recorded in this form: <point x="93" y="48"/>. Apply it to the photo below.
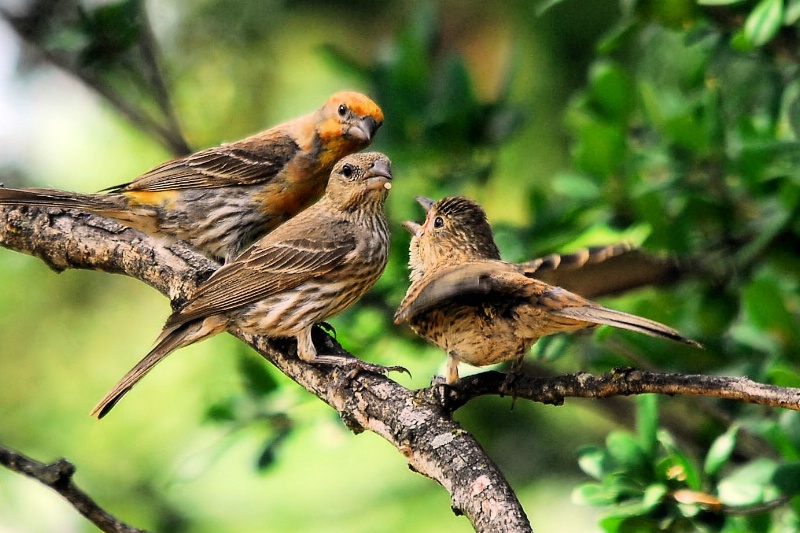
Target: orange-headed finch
<point x="310" y="268"/>
<point x="481" y="310"/>
<point x="221" y="199"/>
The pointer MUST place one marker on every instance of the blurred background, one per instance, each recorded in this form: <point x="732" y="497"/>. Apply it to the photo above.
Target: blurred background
<point x="668" y="124"/>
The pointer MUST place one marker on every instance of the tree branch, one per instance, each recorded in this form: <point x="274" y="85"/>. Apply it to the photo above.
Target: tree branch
<point x="431" y="441"/>
<point x="622" y="382"/>
<point x="58" y="476"/>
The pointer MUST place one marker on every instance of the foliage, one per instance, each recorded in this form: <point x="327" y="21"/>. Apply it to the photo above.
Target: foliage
<point x="675" y="127"/>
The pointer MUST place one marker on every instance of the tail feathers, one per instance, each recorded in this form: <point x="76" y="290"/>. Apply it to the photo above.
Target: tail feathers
<point x="170" y="340"/>
<point x="56" y="198"/>
<point x="603" y="315"/>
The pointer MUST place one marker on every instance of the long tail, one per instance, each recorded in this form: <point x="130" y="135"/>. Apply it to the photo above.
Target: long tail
<point x="170" y="340"/>
<point x="603" y="315"/>
<point x="110" y="205"/>
<point x="56" y="198"/>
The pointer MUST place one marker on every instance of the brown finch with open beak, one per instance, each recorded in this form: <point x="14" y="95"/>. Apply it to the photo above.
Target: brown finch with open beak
<point x="312" y="267"/>
<point x="221" y="199"/>
<point x="481" y="310"/>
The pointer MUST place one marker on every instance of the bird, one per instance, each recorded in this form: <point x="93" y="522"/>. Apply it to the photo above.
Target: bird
<point x="310" y="268"/>
<point x="481" y="310"/>
<point x="221" y="199"/>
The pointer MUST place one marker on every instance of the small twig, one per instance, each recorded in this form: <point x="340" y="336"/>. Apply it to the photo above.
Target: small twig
<point x="150" y="52"/>
<point x="171" y="138"/>
<point x="623" y="382"/>
<point x="58" y="476"/>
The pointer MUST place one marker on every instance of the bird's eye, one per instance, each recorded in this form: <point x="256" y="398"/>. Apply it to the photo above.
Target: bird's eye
<point x="438" y="222"/>
<point x="342" y="110"/>
<point x="347" y="171"/>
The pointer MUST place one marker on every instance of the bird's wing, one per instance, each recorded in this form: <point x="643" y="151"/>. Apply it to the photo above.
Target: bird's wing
<point x="604" y="270"/>
<point x="247" y="162"/>
<point x="263" y="271"/>
<point x="574" y="260"/>
<point x="470" y="280"/>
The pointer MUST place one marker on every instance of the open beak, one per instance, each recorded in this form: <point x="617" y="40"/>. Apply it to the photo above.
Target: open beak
<point x="364" y="129"/>
<point x="379" y="175"/>
<point x="425" y="202"/>
<point x="411" y="226"/>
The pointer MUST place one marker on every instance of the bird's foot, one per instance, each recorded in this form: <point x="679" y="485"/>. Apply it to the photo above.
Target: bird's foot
<point x="507" y="386"/>
<point x="356" y="366"/>
<point x="440" y="389"/>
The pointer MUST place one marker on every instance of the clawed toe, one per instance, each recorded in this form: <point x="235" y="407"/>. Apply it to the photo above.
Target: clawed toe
<point x="440" y="389"/>
<point x="357" y="365"/>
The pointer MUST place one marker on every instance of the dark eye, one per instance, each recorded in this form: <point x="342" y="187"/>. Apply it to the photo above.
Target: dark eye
<point x="347" y="171"/>
<point x="342" y="110"/>
<point x="438" y="222"/>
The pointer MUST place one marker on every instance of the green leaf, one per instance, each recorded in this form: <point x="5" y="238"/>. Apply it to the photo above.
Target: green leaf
<point x="593" y="461"/>
<point x="221" y="412"/>
<point x="599" y="146"/>
<point x="783" y="374"/>
<point x="625" y="449"/>
<point x="718" y="2"/>
<point x="610" y="89"/>
<point x="749" y="485"/>
<point x="677" y="466"/>
<point x="787" y="478"/>
<point x="720" y="451"/>
<point x="789" y="422"/>
<point x="766" y="306"/>
<point x="647" y="422"/>
<point x="764" y="22"/>
<point x="594" y="495"/>
<point x="257" y="379"/>
<point x="792" y="12"/>
<point x="575" y="185"/>
<point x="653" y="496"/>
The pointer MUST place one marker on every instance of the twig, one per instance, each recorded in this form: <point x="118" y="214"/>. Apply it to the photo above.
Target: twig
<point x="170" y="137"/>
<point x="58" y="476"/>
<point x="623" y="382"/>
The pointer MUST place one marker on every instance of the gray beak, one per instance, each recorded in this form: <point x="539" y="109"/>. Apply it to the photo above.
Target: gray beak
<point x="364" y="129"/>
<point x="411" y="226"/>
<point x="425" y="202"/>
<point x="379" y="175"/>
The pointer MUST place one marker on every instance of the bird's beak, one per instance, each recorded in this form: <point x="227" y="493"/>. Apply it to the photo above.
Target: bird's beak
<point x="364" y="129"/>
<point x="425" y="202"/>
<point x="379" y="175"/>
<point x="411" y="226"/>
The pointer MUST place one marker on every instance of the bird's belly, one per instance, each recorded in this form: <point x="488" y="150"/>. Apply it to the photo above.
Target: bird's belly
<point x="473" y="335"/>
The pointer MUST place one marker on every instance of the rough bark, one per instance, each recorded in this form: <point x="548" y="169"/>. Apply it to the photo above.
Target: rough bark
<point x="623" y="382"/>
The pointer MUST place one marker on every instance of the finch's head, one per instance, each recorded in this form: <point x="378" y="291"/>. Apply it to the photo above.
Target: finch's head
<point x="360" y="182"/>
<point x="455" y="231"/>
<point x="347" y="122"/>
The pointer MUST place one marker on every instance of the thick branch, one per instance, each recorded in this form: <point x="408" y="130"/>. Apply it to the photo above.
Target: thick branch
<point x="624" y="382"/>
<point x="58" y="476"/>
<point x="430" y="440"/>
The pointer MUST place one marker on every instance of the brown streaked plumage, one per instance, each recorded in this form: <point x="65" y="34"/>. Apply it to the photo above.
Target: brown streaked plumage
<point x="221" y="199"/>
<point x="481" y="310"/>
<point x="310" y="268"/>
